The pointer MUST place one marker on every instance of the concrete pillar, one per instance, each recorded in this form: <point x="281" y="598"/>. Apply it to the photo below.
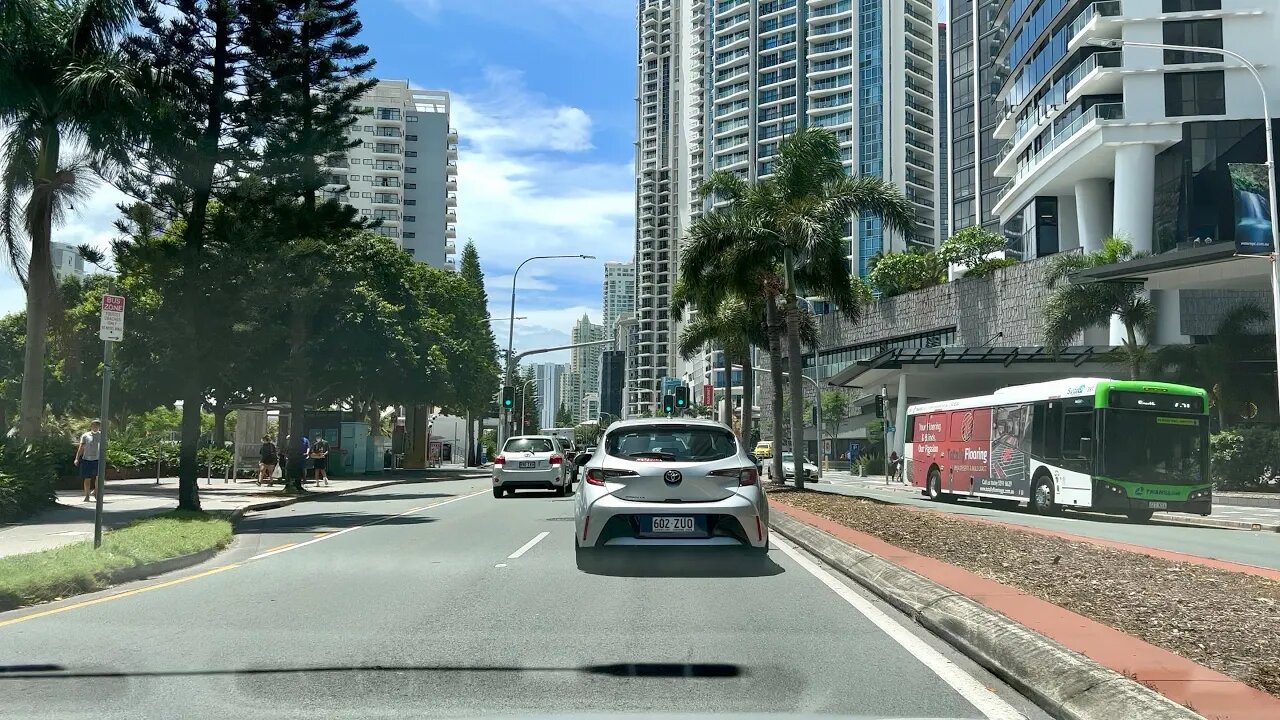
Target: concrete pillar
<point x="1134" y="205"/>
<point x="1168" y="317"/>
<point x="1093" y="212"/>
<point x="900" y="418"/>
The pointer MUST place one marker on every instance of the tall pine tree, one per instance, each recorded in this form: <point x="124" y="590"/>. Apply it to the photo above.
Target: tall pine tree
<point x="307" y="75"/>
<point x="477" y="393"/>
<point x="194" y="123"/>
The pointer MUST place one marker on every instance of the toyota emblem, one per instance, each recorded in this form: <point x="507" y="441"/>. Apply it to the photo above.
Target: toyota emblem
<point x="672" y="477"/>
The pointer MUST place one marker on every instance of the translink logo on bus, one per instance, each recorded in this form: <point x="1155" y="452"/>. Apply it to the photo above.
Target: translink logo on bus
<point x="1144" y="491"/>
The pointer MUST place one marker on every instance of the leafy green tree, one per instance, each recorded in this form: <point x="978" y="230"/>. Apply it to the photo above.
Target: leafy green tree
<point x="13" y="330"/>
<point x="972" y="248"/>
<point x="1219" y="365"/>
<point x="1072" y="309"/>
<point x="796" y="220"/>
<point x="563" y="417"/>
<point x="896" y="273"/>
<point x="62" y="81"/>
<point x="302" y="87"/>
<point x="835" y="410"/>
<point x="476" y="394"/>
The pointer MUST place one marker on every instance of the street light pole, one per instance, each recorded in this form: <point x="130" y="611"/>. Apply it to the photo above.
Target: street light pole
<point x="1274" y="257"/>
<point x="511" y="318"/>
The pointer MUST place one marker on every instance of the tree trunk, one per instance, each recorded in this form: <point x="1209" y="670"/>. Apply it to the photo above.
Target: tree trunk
<point x="748" y="396"/>
<point x="793" y="371"/>
<point x="772" y="317"/>
<point x="188" y="461"/>
<point x="39" y="288"/>
<point x="297" y="465"/>
<point x="220" y="426"/>
<point x="1135" y="364"/>
<point x="726" y="403"/>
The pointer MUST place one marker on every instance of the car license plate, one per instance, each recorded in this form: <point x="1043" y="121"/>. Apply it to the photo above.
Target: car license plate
<point x="528" y="464"/>
<point x="673" y="524"/>
<point x="1158" y="506"/>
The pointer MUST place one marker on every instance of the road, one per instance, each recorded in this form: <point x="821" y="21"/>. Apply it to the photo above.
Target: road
<point x="431" y="599"/>
<point x="1242" y="546"/>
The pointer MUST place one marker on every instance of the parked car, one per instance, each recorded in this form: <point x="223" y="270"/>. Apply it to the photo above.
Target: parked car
<point x="670" y="481"/>
<point x="534" y="462"/>
<point x="789" y="469"/>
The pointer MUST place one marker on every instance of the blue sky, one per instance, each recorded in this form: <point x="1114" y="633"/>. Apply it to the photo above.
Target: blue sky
<point x="543" y="100"/>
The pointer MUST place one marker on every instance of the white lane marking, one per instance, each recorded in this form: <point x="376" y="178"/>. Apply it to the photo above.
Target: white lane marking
<point x="500" y="565"/>
<point x="527" y="546"/>
<point x="987" y="702"/>
<point x="332" y="535"/>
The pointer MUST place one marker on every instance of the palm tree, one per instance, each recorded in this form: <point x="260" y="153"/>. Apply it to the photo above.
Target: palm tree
<point x="1072" y="309"/>
<point x="795" y="220"/>
<point x="733" y="324"/>
<point x="62" y="81"/>
<point x="1218" y="364"/>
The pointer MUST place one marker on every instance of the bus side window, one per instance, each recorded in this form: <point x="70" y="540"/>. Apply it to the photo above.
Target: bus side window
<point x="1037" y="428"/>
<point x="911" y="429"/>
<point x="1053" y="430"/>
<point x="1075" y="427"/>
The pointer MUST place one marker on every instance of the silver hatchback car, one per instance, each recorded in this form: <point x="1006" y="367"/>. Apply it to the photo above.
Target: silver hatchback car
<point x="670" y="481"/>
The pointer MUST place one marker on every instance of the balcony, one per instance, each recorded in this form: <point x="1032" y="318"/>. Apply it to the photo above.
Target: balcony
<point x="451" y="184"/>
<point x="386" y="199"/>
<point x="1097" y="75"/>
<point x="1101" y="20"/>
<point x="452" y="136"/>
<point x="451" y="200"/>
<point x="451" y="231"/>
<point x="450" y="248"/>
<point x="451" y="216"/>
<point x="452" y="151"/>
<point x="1086" y="120"/>
<point x="386" y="149"/>
<point x="918" y="88"/>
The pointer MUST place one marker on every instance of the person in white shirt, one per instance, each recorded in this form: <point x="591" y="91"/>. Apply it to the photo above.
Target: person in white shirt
<point x="87" y="456"/>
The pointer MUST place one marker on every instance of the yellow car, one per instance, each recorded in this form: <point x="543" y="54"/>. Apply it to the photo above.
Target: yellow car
<point x="764" y="449"/>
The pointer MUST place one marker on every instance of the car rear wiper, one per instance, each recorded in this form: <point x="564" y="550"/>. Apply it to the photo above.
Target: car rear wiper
<point x="652" y="454"/>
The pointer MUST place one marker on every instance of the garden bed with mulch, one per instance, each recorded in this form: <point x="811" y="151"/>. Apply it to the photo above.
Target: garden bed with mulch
<point x="1224" y="620"/>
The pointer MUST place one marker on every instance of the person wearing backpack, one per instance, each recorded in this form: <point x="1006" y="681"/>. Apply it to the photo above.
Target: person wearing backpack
<point x="269" y="457"/>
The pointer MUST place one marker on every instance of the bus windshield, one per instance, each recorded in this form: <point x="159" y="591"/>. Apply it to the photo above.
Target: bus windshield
<point x="1145" y="446"/>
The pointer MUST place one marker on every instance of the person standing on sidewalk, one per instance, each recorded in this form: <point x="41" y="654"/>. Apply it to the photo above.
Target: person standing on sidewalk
<point x="87" y="456"/>
<point x="320" y="459"/>
<point x="269" y="457"/>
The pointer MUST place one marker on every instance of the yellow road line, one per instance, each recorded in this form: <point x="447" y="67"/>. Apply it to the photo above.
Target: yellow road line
<point x="116" y="596"/>
<point x="279" y="547"/>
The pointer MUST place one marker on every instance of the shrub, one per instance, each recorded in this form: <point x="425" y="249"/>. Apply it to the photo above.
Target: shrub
<point x="901" y="272"/>
<point x="1245" y="458"/>
<point x="217" y="458"/>
<point x="28" y="472"/>
<point x="972" y="248"/>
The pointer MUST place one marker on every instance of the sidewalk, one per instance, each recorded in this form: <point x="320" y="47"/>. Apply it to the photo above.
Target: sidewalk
<point x="1230" y="510"/>
<point x="127" y="500"/>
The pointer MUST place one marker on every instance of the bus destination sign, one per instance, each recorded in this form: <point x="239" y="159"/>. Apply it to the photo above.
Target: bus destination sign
<point x="1156" y="401"/>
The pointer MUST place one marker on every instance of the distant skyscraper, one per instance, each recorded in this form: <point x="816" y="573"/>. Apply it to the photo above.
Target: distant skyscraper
<point x="404" y="172"/>
<point x="618" y="294"/>
<point x="942" y="175"/>
<point x="973" y="39"/>
<point x="548" y="385"/>
<point x="584" y="367"/>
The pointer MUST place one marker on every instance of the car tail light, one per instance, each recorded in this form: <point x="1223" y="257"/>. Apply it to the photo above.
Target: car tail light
<point x="746" y="476"/>
<point x="500" y="460"/>
<point x="597" y="476"/>
<point x="556" y="460"/>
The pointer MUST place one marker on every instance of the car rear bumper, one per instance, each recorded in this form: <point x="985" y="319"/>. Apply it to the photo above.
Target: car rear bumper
<point x="736" y="520"/>
<point x="515" y="479"/>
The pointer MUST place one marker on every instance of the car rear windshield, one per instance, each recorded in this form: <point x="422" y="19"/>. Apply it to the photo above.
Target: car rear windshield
<point x="528" y="445"/>
<point x="671" y="442"/>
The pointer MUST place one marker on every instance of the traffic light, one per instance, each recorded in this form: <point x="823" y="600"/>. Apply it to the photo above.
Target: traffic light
<point x="508" y="397"/>
<point x="682" y="397"/>
<point x="879" y="406"/>
<point x="668" y="404"/>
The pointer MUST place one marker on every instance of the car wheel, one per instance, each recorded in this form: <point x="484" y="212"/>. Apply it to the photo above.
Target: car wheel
<point x="1140" y="516"/>
<point x="935" y="485"/>
<point x="1042" y="496"/>
<point x="497" y="492"/>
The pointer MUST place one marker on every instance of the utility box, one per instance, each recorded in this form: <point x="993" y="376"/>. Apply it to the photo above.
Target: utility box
<point x="354" y="448"/>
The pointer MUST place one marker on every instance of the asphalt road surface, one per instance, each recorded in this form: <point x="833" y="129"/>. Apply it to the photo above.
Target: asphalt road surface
<point x="435" y="599"/>
<point x="1243" y="546"/>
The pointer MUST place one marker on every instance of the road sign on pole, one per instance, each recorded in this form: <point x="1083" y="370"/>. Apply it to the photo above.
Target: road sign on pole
<point x="111" y="324"/>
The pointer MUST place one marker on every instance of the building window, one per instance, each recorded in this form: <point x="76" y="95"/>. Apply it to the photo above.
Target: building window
<point x="411" y="138"/>
<point x="408" y="251"/>
<point x="368" y="128"/>
<point x="1194" y="93"/>
<point x="410" y="202"/>
<point x="411" y="153"/>
<point x="411" y="169"/>
<point x="1205" y="33"/>
<point x="409" y="234"/>
<point x="412" y="118"/>
<point x="411" y="186"/>
<point x="411" y="218"/>
<point x="1171" y="6"/>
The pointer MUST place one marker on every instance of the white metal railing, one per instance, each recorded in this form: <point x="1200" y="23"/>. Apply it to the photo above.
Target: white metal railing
<point x="1105" y="111"/>
<point x="1102" y="8"/>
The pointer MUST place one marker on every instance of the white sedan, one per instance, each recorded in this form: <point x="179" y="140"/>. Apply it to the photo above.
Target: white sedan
<point x="789" y="468"/>
<point x="531" y="462"/>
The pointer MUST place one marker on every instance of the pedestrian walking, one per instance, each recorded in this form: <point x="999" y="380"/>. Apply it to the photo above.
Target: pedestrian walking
<point x="320" y="459"/>
<point x="268" y="457"/>
<point x="88" y="454"/>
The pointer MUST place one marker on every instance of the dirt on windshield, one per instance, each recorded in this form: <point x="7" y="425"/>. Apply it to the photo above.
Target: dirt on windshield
<point x="1221" y="619"/>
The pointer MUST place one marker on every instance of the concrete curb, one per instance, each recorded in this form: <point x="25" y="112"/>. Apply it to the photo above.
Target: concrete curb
<point x="1064" y="683"/>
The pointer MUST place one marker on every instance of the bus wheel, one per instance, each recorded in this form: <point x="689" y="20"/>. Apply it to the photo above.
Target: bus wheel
<point x="1140" y="515"/>
<point x="1042" y="496"/>
<point x="935" y="485"/>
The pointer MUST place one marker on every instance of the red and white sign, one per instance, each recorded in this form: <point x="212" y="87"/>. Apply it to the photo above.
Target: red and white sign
<point x="111" y="325"/>
<point x="708" y="397"/>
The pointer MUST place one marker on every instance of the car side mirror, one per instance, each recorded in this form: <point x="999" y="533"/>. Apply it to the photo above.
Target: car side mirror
<point x="755" y="460"/>
<point x="581" y="459"/>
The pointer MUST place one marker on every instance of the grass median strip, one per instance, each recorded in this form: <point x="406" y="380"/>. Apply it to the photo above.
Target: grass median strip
<point x="78" y="568"/>
<point x="1221" y="619"/>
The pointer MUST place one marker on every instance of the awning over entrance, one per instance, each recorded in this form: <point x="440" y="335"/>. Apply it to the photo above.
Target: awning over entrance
<point x="954" y="372"/>
<point x="1209" y="267"/>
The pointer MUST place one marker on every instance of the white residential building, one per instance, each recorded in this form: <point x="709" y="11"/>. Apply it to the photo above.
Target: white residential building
<point x="549" y="387"/>
<point x="405" y="170"/>
<point x="1160" y="146"/>
<point x="584" y="366"/>
<point x="66" y="261"/>
<point x="618" y="294"/>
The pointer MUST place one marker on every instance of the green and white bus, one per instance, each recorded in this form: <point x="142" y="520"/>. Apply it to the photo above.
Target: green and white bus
<point x="1118" y="446"/>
